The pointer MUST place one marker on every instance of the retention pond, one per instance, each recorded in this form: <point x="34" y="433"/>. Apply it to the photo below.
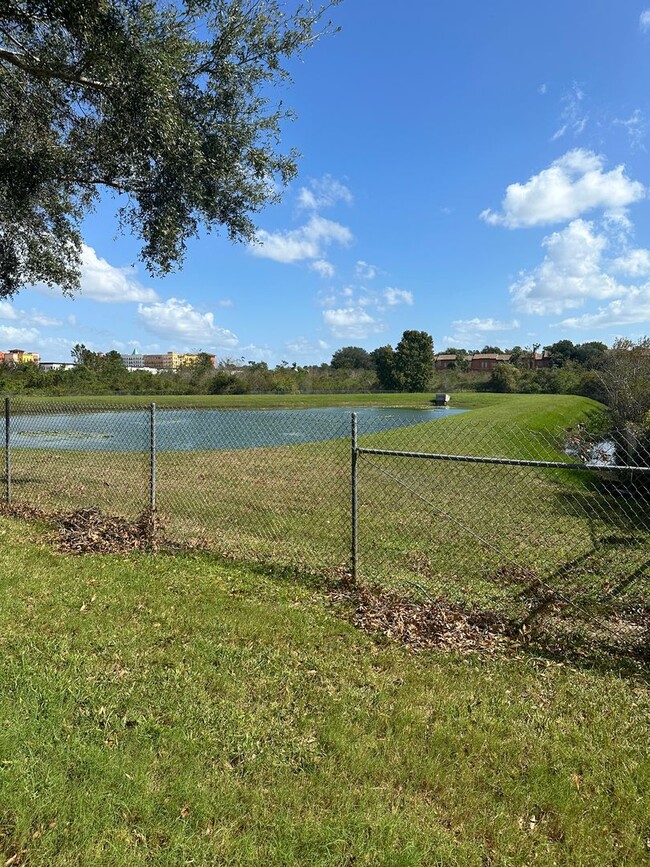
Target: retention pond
<point x="203" y="429"/>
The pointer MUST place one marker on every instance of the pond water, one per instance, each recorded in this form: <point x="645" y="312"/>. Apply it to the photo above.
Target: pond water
<point x="196" y="429"/>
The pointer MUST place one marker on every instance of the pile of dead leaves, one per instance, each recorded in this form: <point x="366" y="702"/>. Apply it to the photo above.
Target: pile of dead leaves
<point x="421" y="625"/>
<point x="89" y="531"/>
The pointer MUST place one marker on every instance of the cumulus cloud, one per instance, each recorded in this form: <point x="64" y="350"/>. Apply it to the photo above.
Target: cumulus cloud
<point x="353" y="321"/>
<point x="633" y="263"/>
<point x="644" y="21"/>
<point x="322" y="267"/>
<point x="632" y="309"/>
<point x="571" y="272"/>
<point x="104" y="282"/>
<point x="306" y="242"/>
<point x="393" y="297"/>
<point x="178" y="321"/>
<point x="323" y="193"/>
<point x="573" y="184"/>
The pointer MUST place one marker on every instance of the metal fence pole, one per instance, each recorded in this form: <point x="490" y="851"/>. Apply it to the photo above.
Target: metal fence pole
<point x="355" y="516"/>
<point x="7" y="451"/>
<point x="152" y="459"/>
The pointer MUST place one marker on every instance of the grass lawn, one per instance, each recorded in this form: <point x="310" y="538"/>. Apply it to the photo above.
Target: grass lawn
<point x="173" y="710"/>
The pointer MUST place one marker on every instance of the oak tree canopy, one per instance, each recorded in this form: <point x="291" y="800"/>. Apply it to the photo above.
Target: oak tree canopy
<point x="167" y="104"/>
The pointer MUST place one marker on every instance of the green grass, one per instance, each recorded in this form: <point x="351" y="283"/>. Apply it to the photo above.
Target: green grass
<point x="178" y="710"/>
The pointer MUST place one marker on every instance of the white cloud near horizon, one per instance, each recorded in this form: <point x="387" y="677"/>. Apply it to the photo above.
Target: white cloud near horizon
<point x="468" y="332"/>
<point x="306" y="242"/>
<point x="177" y="320"/>
<point x="571" y="272"/>
<point x="572" y="185"/>
<point x="481" y="326"/>
<point x="633" y="309"/>
<point x="323" y="193"/>
<point x="644" y="21"/>
<point x="303" y="346"/>
<point x="353" y="321"/>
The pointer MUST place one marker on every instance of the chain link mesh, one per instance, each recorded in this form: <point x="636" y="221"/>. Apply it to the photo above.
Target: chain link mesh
<point x="545" y="547"/>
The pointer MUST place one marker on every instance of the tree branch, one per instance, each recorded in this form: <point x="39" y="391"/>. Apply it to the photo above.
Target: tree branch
<point x="32" y="67"/>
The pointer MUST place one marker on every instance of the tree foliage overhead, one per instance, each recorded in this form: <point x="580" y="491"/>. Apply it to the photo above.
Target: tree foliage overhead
<point x="165" y="104"/>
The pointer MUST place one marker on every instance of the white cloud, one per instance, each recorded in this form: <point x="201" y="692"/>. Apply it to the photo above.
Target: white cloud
<point x="572" y="117"/>
<point x="543" y="88"/>
<point x="18" y="338"/>
<point x="644" y="21"/>
<point x="7" y="310"/>
<point x="322" y="267"/>
<point x="636" y="128"/>
<point x="323" y="193"/>
<point x="481" y="326"/>
<point x="178" y="321"/>
<point x="351" y="322"/>
<point x="393" y="297"/>
<point x="633" y="309"/>
<point x="365" y="270"/>
<point x="633" y="263"/>
<point x="573" y="184"/>
<point x="472" y="331"/>
<point x="307" y="242"/>
<point x="225" y="302"/>
<point x="571" y="272"/>
<point x="304" y="347"/>
<point x="36" y="318"/>
<point x="106" y="283"/>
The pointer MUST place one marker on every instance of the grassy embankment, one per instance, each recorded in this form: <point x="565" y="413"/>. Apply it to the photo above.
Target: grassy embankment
<point x="175" y="710"/>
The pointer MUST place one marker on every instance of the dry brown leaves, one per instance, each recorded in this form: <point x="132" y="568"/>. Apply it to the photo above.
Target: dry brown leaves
<point x="89" y="531"/>
<point x="421" y="625"/>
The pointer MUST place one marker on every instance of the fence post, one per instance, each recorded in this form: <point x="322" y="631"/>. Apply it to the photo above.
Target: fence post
<point x="7" y="451"/>
<point x="152" y="459"/>
<point x="355" y="521"/>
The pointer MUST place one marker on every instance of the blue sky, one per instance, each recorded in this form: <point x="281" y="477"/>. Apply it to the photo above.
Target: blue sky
<point x="478" y="171"/>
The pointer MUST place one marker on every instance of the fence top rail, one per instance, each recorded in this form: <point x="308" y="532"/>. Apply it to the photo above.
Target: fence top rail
<point x="517" y="462"/>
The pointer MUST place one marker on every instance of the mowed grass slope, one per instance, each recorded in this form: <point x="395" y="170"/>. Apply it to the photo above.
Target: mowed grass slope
<point x="177" y="710"/>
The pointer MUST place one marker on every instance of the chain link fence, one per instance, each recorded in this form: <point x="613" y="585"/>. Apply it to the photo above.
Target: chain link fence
<point x="542" y="530"/>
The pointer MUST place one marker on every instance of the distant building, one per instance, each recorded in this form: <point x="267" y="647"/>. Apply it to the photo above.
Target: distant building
<point x="485" y="362"/>
<point x="57" y="365"/>
<point x="134" y="360"/>
<point x="19" y="356"/>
